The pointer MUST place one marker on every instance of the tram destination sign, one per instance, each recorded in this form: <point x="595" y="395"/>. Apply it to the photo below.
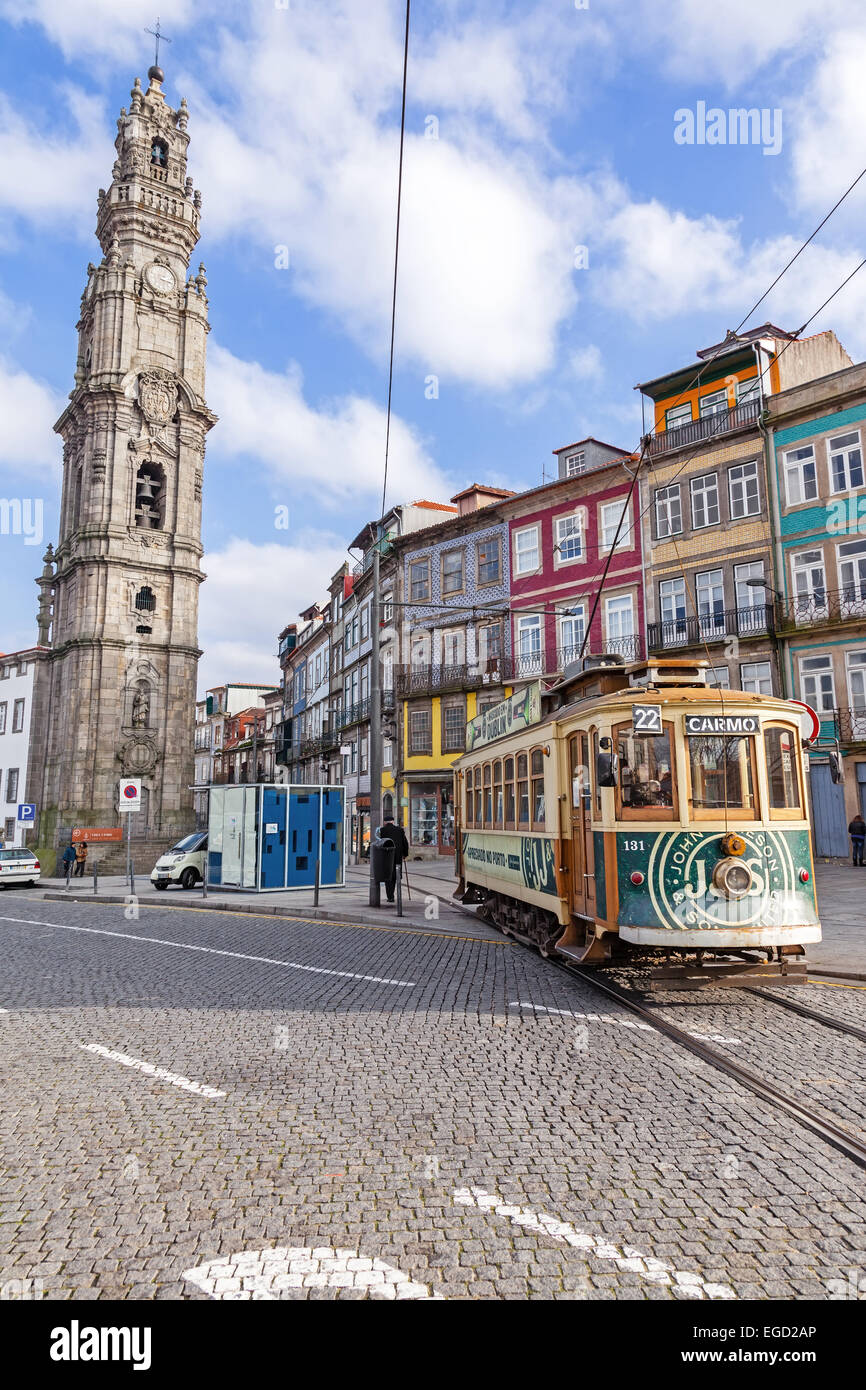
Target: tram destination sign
<point x="721" y="724"/>
<point x="508" y="717"/>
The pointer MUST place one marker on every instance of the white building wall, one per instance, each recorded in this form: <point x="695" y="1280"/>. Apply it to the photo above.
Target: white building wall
<point x="14" y="745"/>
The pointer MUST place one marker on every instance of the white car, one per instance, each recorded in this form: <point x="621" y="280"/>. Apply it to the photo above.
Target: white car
<point x="19" y="866"/>
<point x="184" y="863"/>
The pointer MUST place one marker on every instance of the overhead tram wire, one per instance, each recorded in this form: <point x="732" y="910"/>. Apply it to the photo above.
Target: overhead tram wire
<point x="396" y="256"/>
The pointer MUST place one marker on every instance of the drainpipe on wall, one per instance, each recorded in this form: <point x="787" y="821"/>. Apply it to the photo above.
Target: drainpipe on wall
<point x="780" y="644"/>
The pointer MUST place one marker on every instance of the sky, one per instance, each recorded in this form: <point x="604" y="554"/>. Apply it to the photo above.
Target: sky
<point x="559" y="244"/>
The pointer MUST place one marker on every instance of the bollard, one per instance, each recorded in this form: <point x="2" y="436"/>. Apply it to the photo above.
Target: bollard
<point x="204" y="879"/>
<point x="316" y="884"/>
<point x="132" y="878"/>
<point x="95" y="878"/>
<point x="400" y="890"/>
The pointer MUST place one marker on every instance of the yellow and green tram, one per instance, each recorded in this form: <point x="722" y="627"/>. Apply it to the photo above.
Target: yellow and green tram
<point x="640" y="811"/>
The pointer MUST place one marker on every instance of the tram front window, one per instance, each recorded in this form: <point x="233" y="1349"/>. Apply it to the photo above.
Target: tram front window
<point x="720" y="773"/>
<point x="645" y="770"/>
<point x="780" y="750"/>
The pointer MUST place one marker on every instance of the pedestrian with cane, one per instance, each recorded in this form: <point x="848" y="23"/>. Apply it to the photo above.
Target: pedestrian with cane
<point x="397" y="835"/>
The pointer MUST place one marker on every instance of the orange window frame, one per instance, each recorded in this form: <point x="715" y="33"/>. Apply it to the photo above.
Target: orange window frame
<point x="722" y="812"/>
<point x="663" y="813"/>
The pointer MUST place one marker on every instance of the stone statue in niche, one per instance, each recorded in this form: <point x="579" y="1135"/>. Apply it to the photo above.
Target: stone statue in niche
<point x="141" y="706"/>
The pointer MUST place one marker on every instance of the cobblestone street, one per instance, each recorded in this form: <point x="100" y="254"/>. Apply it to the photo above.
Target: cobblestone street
<point x="200" y="1104"/>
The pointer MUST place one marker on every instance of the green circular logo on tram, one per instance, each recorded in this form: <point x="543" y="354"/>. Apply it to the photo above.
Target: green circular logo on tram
<point x="682" y="892"/>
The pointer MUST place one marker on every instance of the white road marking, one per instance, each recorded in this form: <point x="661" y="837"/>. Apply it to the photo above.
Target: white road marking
<point x="628" y="1258"/>
<point x="263" y="1274"/>
<point x="213" y="951"/>
<point x="158" y="1073"/>
<point x="618" y="1019"/>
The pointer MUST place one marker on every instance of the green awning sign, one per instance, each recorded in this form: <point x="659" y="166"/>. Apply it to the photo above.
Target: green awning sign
<point x="508" y="717"/>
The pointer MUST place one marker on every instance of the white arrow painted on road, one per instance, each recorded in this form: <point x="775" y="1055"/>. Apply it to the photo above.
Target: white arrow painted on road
<point x="265" y="1274"/>
<point x="656" y="1271"/>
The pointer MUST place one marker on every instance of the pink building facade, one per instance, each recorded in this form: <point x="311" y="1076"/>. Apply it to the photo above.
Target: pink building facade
<point x="561" y="536"/>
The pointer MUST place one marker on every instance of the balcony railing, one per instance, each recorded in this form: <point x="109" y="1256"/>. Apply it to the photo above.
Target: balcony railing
<point x="710" y="627"/>
<point x="427" y="680"/>
<point x="424" y="679"/>
<point x="708" y="427"/>
<point x="850" y="724"/>
<point x="823" y="606"/>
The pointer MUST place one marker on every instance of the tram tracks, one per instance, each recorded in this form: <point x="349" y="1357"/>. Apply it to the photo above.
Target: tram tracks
<point x="796" y="1007"/>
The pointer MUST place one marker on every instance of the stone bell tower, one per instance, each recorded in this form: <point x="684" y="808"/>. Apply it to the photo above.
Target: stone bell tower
<point x="115" y="693"/>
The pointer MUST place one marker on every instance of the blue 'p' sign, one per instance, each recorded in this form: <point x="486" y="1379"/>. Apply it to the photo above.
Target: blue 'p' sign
<point x="27" y="813"/>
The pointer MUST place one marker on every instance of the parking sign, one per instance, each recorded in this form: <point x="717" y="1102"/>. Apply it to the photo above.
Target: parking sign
<point x="130" y="794"/>
<point x="27" y="813"/>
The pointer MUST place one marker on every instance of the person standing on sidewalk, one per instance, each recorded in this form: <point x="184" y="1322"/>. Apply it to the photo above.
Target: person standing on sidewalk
<point x="397" y="835"/>
<point x="80" y="858"/>
<point x="69" y="857"/>
<point x="857" y="831"/>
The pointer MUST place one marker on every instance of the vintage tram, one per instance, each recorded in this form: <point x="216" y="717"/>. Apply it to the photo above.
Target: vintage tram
<point x="639" y="812"/>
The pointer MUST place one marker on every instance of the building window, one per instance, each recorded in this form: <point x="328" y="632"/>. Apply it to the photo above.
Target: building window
<point x="713" y="404"/>
<point x="490" y="643"/>
<point x="529" y="643"/>
<point x="145" y="600"/>
<point x="611" y="516"/>
<point x="705" y="500"/>
<point x="526" y="550"/>
<point x="757" y="676"/>
<point x="572" y="627"/>
<point x="569" y="539"/>
<point x="489" y="561"/>
<point x="669" y="511"/>
<point x="801" y="479"/>
<point x="365" y="622"/>
<point x="453" y="727"/>
<point x="710" y="595"/>
<point x="453" y="647"/>
<point x="720" y="677"/>
<point x="159" y="154"/>
<point x="743" y="490"/>
<point x="856" y="666"/>
<point x="810" y="583"/>
<point x="387" y="608"/>
<point x="12" y="784"/>
<point x="9" y="832"/>
<point x="364" y="685"/>
<point x="419" y="580"/>
<point x="618" y="618"/>
<point x="3" y="708"/>
<point x="846" y="462"/>
<point x="678" y="415"/>
<point x="575" y="464"/>
<point x="817" y="683"/>
<point x="420" y="731"/>
<point x="424" y="816"/>
<point x="364" y="748"/>
<point x="852" y="571"/>
<point x="672" y="607"/>
<point x="750" y="595"/>
<point x="452" y="572"/>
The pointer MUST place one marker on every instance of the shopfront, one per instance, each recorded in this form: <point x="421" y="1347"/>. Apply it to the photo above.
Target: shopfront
<point x="431" y="817"/>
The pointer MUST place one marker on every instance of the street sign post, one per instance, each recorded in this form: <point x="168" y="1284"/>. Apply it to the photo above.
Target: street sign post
<point x="27" y="813"/>
<point x="130" y="801"/>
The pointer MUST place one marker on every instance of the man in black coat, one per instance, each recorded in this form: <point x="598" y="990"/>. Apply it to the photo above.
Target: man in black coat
<point x="397" y="835"/>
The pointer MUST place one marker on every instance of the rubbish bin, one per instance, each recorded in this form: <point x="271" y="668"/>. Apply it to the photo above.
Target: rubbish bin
<point x="382" y="859"/>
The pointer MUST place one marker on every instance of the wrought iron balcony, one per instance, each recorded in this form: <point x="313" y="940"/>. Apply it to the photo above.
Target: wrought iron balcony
<point x="711" y="627"/>
<point x="708" y="427"/>
<point x="431" y="679"/>
<point x="823" y="607"/>
<point x="849" y="724"/>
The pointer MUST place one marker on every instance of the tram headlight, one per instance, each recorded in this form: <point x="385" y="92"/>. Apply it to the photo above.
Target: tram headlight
<point x="732" y="877"/>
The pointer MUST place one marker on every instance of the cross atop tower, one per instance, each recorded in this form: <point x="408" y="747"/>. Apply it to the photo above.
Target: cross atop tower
<point x="157" y="34"/>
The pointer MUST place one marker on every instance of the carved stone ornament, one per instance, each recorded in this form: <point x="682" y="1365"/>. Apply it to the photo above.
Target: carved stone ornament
<point x="138" y="756"/>
<point x="157" y="396"/>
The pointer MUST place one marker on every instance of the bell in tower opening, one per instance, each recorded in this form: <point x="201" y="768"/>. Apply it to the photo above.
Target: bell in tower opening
<point x="133" y="434"/>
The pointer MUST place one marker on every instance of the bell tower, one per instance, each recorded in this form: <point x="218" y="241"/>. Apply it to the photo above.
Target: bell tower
<point x="115" y="692"/>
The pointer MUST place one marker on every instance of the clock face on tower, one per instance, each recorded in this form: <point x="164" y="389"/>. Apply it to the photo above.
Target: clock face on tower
<point x="160" y="279"/>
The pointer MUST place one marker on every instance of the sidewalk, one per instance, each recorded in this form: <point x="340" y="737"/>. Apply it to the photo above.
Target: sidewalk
<point x="430" y="907"/>
<point x="842" y="909"/>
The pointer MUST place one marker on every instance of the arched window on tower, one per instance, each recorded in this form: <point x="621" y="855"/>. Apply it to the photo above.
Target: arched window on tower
<point x="76" y="500"/>
<point x="145" y="600"/>
<point x="159" y="154"/>
<point x="149" y="496"/>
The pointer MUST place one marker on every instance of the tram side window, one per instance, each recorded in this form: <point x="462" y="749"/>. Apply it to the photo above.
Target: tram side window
<point x="522" y="792"/>
<point x="595" y="765"/>
<point x="780" y="750"/>
<point x="478" y="818"/>
<point x="720" y="773"/>
<point x="646" y="780"/>
<point x="509" y="793"/>
<point x="537" y="757"/>
<point x="469" y="796"/>
<point x="488" y="797"/>
<point x="497" y="794"/>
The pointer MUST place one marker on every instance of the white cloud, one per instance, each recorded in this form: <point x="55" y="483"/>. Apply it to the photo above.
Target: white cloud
<point x="828" y="150"/>
<point x="52" y="179"/>
<point x="334" y="453"/>
<point x="95" y="26"/>
<point x="250" y="593"/>
<point x="28" y="409"/>
<point x="585" y="364"/>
